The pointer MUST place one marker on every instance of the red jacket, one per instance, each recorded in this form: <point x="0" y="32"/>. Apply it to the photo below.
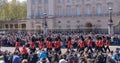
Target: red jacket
<point x="107" y="43"/>
<point x="81" y="44"/>
<point x="57" y="44"/>
<point x="49" y="44"/>
<point x="17" y="44"/>
<point x="89" y="43"/>
<point x="97" y="43"/>
<point x="69" y="44"/>
<point x="101" y="43"/>
<point x="41" y="45"/>
<point x="24" y="50"/>
<point x="32" y="44"/>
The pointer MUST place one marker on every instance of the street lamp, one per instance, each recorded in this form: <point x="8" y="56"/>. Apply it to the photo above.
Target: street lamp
<point x="110" y="23"/>
<point x="45" y="24"/>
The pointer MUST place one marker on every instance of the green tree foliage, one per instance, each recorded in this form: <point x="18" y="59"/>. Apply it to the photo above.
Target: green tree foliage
<point x="12" y="10"/>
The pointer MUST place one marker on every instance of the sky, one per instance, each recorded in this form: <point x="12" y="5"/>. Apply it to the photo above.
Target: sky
<point x="18" y="0"/>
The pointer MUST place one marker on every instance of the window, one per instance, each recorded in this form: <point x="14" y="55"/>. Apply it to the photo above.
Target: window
<point x="11" y="25"/>
<point x="59" y="27"/>
<point x="59" y="11"/>
<point x="6" y="25"/>
<point x="16" y="25"/>
<point x="68" y="21"/>
<point x="23" y="25"/>
<point x="98" y="9"/>
<point x="99" y="21"/>
<point x="59" y="1"/>
<point x="78" y="11"/>
<point x="78" y="26"/>
<point x="68" y="26"/>
<point x="68" y="1"/>
<point x="78" y="0"/>
<point x="88" y="12"/>
<point x="59" y="21"/>
<point x="78" y="21"/>
<point x="40" y="1"/>
<point x="33" y="1"/>
<point x="34" y="11"/>
<point x="99" y="12"/>
<point x="40" y="12"/>
<point x="46" y="1"/>
<point x="0" y="26"/>
<point x="47" y="12"/>
<point x="68" y="11"/>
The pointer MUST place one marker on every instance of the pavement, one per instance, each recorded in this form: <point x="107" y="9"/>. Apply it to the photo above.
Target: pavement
<point x="11" y="49"/>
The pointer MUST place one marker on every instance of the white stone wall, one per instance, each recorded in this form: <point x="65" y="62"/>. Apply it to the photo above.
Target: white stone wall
<point x="53" y="5"/>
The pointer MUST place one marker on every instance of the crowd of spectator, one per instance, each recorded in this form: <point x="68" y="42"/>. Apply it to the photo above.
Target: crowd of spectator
<point x="46" y="55"/>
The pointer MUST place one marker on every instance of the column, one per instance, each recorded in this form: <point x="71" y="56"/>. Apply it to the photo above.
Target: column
<point x="29" y="9"/>
<point x="36" y="8"/>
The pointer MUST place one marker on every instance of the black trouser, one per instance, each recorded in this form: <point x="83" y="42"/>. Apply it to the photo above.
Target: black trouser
<point x="57" y="50"/>
<point x="81" y="49"/>
<point x="24" y="56"/>
<point x="17" y="49"/>
<point x="101" y="49"/>
<point x="32" y="50"/>
<point x="107" y="48"/>
<point x="89" y="48"/>
<point x="49" y="49"/>
<point x="96" y="48"/>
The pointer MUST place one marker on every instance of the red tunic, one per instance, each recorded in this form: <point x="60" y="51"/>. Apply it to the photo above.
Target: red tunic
<point x="101" y="43"/>
<point x="17" y="44"/>
<point x="104" y="42"/>
<point x="97" y="43"/>
<point x="107" y="43"/>
<point x="32" y="44"/>
<point x="24" y="50"/>
<point x="89" y="43"/>
<point x="49" y="44"/>
<point x="41" y="45"/>
<point x="57" y="44"/>
<point x="81" y="44"/>
<point x="69" y="44"/>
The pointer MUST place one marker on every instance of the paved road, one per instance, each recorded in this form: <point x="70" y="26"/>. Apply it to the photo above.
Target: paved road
<point x="11" y="49"/>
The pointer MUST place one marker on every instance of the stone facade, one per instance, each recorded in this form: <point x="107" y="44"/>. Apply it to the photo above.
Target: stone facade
<point x="72" y="15"/>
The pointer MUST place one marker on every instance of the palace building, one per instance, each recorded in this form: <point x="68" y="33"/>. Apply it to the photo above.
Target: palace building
<point x="70" y="16"/>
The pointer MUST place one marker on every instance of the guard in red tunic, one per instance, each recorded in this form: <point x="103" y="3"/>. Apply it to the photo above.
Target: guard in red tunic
<point x="69" y="44"/>
<point x="104" y="42"/>
<point x="81" y="45"/>
<point x="97" y="44"/>
<point x="24" y="52"/>
<point x="41" y="43"/>
<point x="32" y="45"/>
<point x="57" y="45"/>
<point x="17" y="45"/>
<point x="49" y="44"/>
<point x="101" y="44"/>
<point x="107" y="44"/>
<point x="89" y="44"/>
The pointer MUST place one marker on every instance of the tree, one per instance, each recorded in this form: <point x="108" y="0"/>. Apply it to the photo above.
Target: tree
<point x="13" y="10"/>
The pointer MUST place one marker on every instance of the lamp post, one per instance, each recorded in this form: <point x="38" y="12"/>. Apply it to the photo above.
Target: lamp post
<point x="110" y="22"/>
<point x="45" y="24"/>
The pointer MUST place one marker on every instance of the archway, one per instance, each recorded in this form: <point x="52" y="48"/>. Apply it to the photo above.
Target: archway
<point x="88" y="27"/>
